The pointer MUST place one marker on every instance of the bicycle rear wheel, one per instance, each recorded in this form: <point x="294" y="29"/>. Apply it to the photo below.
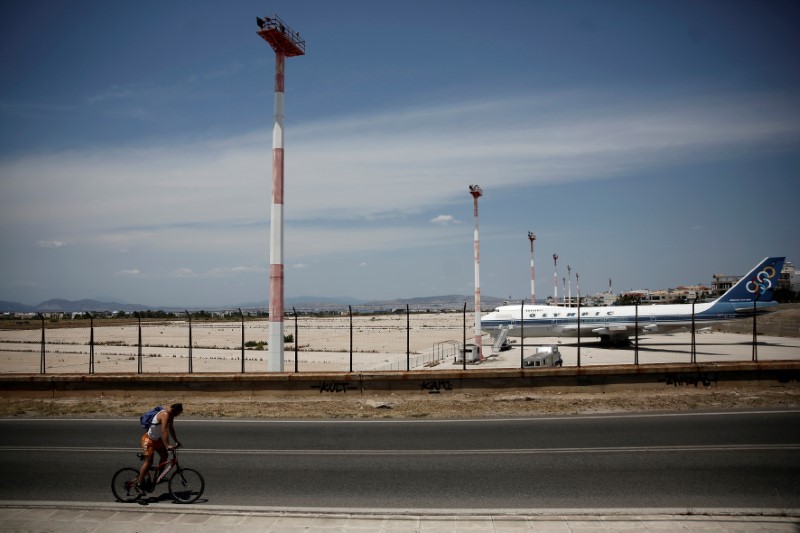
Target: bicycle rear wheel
<point x="123" y="485"/>
<point x="186" y="485"/>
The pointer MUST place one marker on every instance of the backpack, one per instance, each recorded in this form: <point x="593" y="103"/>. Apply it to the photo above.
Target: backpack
<point x="147" y="419"/>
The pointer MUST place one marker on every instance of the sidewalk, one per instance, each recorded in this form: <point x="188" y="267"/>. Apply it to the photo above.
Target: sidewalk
<point x="70" y="517"/>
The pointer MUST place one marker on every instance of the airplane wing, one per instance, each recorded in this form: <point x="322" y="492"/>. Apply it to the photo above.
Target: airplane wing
<point x="610" y="330"/>
<point x="619" y="330"/>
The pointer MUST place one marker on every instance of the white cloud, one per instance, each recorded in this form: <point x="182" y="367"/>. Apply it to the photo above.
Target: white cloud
<point x="133" y="272"/>
<point x="354" y="184"/>
<point x="218" y="272"/>
<point x="300" y="265"/>
<point x="50" y="244"/>
<point x="226" y="272"/>
<point x="375" y="166"/>
<point x="444" y="220"/>
<point x="418" y="159"/>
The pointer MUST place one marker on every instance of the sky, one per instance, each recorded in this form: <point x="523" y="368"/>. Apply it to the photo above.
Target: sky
<point x="650" y="143"/>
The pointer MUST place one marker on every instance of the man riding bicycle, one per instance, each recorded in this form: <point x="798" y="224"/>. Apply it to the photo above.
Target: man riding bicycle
<point x="156" y="438"/>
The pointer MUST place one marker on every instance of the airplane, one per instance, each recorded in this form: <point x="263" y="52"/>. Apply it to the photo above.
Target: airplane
<point x="615" y="324"/>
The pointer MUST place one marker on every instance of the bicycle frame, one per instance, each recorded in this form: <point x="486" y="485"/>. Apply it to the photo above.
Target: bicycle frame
<point x="167" y="465"/>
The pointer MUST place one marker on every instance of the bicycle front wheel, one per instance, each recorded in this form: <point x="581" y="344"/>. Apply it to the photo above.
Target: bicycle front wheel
<point x="123" y="485"/>
<point x="186" y="485"/>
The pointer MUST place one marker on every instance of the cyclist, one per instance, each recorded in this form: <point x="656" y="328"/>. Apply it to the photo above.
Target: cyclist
<point x="156" y="438"/>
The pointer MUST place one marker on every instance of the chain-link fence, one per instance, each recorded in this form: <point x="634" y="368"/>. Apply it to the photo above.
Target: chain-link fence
<point x="358" y="339"/>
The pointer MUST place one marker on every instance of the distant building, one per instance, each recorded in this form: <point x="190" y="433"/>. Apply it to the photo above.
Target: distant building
<point x="692" y="292"/>
<point x="790" y="277"/>
<point x="722" y="282"/>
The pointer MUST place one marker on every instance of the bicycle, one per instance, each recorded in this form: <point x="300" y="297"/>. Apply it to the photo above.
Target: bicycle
<point x="186" y="485"/>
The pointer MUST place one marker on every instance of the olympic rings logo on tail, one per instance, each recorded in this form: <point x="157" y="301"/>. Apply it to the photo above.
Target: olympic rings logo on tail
<point x="762" y="281"/>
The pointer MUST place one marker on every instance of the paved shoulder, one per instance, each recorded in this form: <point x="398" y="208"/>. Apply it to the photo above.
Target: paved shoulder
<point x="118" y="518"/>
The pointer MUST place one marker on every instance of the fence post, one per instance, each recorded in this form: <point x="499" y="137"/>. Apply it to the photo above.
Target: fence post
<point x="190" y="340"/>
<point x="464" y="345"/>
<point x="522" y="335"/>
<point x="91" y="343"/>
<point x="296" y="367"/>
<point x="636" y="335"/>
<point x="755" y="333"/>
<point x="408" y="339"/>
<point x="579" y="329"/>
<point x="42" y="363"/>
<point x="350" y="308"/>
<point x="694" y="341"/>
<point x="139" y="356"/>
<point x="242" y="317"/>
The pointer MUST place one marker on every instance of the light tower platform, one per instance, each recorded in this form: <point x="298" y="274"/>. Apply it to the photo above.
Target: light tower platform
<point x="280" y="36"/>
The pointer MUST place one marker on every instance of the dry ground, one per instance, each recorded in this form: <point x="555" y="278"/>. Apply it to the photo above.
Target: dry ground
<point x="502" y="403"/>
<point x="505" y="403"/>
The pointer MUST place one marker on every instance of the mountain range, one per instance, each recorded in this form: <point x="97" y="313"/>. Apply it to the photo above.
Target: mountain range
<point x="88" y="305"/>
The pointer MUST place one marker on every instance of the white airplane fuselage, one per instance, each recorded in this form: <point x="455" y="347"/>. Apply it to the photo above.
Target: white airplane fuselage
<point x="752" y="293"/>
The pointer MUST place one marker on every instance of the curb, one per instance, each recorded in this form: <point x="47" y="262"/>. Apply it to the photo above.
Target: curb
<point x="333" y="512"/>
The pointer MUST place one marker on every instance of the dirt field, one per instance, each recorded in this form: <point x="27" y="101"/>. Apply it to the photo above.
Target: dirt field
<point x="507" y="403"/>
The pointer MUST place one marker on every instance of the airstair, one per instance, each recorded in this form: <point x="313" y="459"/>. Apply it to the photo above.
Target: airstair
<point x="500" y="340"/>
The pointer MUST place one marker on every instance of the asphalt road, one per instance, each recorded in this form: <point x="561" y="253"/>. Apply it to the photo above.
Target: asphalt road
<point x="682" y="460"/>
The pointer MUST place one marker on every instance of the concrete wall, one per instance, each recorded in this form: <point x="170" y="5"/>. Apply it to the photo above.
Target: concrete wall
<point x="566" y="379"/>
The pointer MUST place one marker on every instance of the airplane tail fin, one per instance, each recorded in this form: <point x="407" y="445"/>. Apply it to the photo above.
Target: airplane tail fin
<point x="759" y="282"/>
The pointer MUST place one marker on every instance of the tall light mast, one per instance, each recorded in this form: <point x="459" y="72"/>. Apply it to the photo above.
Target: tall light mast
<point x="532" y="237"/>
<point x="569" y="285"/>
<point x="555" y="279"/>
<point x="476" y="193"/>
<point x="286" y="43"/>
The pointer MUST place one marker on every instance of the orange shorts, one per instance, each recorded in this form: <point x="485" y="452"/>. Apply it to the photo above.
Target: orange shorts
<point x="150" y="446"/>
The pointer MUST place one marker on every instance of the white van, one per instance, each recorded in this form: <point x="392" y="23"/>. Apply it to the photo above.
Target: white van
<point x="545" y="356"/>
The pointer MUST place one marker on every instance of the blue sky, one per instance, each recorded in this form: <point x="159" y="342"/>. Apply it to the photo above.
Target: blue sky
<point x="653" y="143"/>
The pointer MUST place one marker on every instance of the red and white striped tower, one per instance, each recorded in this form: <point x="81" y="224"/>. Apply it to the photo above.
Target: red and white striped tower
<point x="476" y="193"/>
<point x="555" y="279"/>
<point x="286" y="43"/>
<point x="532" y="237"/>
